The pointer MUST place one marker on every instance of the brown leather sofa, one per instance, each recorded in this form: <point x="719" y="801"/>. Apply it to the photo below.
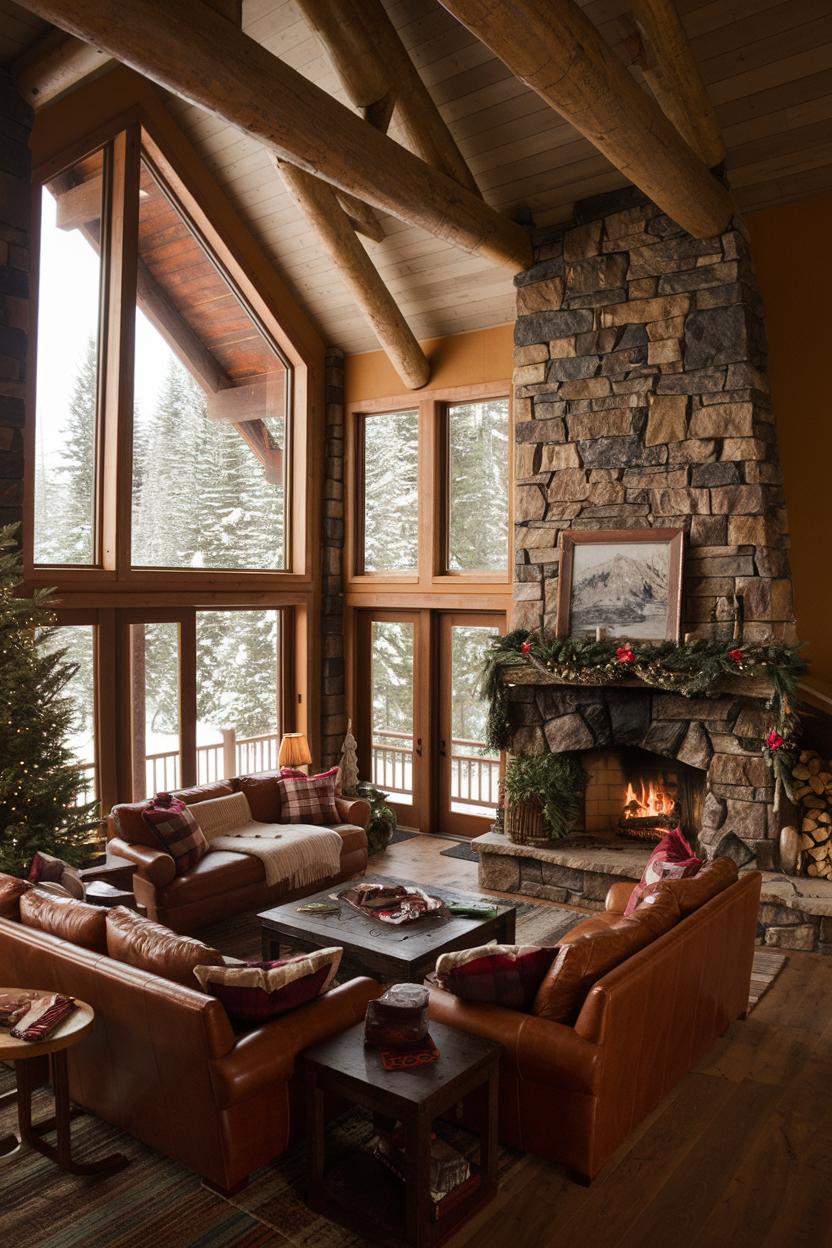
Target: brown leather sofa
<point x="222" y="883"/>
<point x="163" y="1061"/>
<point x="573" y="1093"/>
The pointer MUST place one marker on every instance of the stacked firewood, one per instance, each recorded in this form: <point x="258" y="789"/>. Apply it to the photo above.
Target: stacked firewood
<point x="812" y="788"/>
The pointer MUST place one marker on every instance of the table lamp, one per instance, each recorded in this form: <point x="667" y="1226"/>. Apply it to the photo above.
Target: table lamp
<point x="294" y="751"/>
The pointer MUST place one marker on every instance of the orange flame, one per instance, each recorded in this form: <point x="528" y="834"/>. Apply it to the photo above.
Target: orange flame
<point x="652" y="800"/>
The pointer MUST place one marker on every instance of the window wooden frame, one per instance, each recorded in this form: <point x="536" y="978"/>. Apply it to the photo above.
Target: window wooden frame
<point x="130" y="137"/>
<point x="431" y="576"/>
<point x="108" y="594"/>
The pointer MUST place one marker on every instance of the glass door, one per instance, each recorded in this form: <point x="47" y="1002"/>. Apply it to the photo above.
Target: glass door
<point x="394" y="706"/>
<point x="468" y="775"/>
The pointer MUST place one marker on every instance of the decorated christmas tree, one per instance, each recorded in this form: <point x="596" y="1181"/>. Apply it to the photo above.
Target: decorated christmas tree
<point x="39" y="780"/>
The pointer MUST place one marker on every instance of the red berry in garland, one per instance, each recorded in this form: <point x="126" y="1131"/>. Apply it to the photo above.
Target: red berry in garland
<point x="525" y="647"/>
<point x="736" y="655"/>
<point x="774" y="740"/>
<point x="624" y="654"/>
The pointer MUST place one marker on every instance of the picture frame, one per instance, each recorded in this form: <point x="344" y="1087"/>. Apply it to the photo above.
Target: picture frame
<point x="623" y="584"/>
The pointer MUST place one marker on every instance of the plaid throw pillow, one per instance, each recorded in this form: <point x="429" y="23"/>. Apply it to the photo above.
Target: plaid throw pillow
<point x="309" y="800"/>
<point x="176" y="830"/>
<point x="507" y="975"/>
<point x="262" y="990"/>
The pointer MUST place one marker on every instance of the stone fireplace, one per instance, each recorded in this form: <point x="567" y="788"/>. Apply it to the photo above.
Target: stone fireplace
<point x="641" y="401"/>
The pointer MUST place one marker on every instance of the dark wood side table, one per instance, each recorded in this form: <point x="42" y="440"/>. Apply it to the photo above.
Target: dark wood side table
<point x="21" y="1052"/>
<point x="356" y="1191"/>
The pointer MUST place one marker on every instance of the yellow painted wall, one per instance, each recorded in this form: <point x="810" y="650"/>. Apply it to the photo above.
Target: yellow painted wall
<point x="792" y="250"/>
<point x="459" y="360"/>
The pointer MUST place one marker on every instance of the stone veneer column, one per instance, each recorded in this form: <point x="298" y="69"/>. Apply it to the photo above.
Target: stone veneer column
<point x="15" y="215"/>
<point x="333" y="717"/>
<point x="642" y="400"/>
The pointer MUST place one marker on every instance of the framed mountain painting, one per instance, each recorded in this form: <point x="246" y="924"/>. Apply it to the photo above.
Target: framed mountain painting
<point x="620" y="583"/>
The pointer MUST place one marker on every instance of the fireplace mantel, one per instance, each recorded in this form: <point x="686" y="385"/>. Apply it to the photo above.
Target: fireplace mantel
<point x="737" y="686"/>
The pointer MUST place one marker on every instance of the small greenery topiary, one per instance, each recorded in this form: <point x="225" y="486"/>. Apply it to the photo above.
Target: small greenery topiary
<point x="382" y="823"/>
<point x="556" y="781"/>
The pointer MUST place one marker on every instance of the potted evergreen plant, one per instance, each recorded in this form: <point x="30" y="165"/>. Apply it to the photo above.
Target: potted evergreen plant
<point x="544" y="794"/>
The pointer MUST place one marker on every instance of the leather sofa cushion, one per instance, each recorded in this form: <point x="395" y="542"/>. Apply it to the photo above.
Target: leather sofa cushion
<point x="709" y="880"/>
<point x="11" y="890"/>
<point x="130" y="826"/>
<point x="151" y="947"/>
<point x="263" y="795"/>
<point x="578" y="965"/>
<point x="72" y="920"/>
<point x="218" y="872"/>
<point x="354" y="838"/>
<point x="658" y="912"/>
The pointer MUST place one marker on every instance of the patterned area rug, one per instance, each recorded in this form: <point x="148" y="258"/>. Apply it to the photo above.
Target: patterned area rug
<point x="767" y="966"/>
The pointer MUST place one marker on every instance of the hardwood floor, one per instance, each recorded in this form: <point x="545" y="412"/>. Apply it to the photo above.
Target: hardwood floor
<point x="740" y="1154"/>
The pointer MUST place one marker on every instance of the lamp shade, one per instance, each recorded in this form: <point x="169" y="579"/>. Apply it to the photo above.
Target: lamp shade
<point x="294" y="750"/>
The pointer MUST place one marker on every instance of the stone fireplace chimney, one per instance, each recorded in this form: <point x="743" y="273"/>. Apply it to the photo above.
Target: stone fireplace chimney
<point x="641" y="400"/>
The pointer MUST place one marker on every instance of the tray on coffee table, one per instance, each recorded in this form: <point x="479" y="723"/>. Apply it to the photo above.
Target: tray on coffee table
<point x="392" y="954"/>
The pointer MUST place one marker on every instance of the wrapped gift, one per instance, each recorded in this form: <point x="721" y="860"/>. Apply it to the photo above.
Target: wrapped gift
<point x="397" y="1018"/>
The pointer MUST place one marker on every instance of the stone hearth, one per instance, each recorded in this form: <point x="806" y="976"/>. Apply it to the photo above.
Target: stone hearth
<point x="794" y="913"/>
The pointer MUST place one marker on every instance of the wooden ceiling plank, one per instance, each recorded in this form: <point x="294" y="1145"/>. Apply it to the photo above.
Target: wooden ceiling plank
<point x="372" y="62"/>
<point x="229" y="74"/>
<point x="320" y="205"/>
<point x="672" y="75"/>
<point x="554" y="48"/>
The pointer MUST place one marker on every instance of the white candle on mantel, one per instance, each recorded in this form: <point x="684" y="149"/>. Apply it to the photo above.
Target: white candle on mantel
<point x="599" y="633"/>
<point x="688" y="638"/>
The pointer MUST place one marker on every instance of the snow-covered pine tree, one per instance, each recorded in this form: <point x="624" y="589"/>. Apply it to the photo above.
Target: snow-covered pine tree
<point x="39" y="782"/>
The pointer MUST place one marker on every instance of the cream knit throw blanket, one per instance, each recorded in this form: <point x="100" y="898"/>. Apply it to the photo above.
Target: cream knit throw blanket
<point x="296" y="854"/>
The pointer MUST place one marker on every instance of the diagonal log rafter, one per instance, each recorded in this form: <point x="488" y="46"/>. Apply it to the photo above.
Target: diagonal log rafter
<point x="554" y="48"/>
<point x="233" y="77"/>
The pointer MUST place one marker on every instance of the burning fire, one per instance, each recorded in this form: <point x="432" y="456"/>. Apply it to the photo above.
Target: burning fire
<point x="652" y="800"/>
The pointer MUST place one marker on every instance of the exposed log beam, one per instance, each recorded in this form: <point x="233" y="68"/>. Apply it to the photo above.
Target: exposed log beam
<point x="320" y="205"/>
<point x="362" y="217"/>
<point x="56" y="62"/>
<point x="378" y="74"/>
<point x="53" y="64"/>
<point x="233" y="77"/>
<point x="673" y="76"/>
<point x="554" y="47"/>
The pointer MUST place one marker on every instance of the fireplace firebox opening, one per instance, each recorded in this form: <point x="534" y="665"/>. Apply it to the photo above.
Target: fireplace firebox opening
<point x="634" y="794"/>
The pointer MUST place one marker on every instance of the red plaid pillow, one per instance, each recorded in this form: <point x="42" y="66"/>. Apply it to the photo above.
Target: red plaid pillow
<point x="507" y="975"/>
<point x="176" y="830"/>
<point x="310" y="800"/>
<point x="672" y="859"/>
<point x="262" y="990"/>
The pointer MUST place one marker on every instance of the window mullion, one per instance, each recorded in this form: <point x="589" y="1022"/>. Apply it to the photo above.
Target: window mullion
<point x="118" y="354"/>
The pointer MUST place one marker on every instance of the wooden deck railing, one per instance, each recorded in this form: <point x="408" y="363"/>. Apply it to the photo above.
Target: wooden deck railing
<point x="474" y="779"/>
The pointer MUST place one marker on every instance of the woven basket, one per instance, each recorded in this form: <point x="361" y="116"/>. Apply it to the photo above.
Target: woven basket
<point x="524" y="823"/>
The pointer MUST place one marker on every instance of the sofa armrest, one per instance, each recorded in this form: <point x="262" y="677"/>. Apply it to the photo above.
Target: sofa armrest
<point x="618" y="895"/>
<point x="153" y="865"/>
<point x="353" y="810"/>
<point x="539" y="1050"/>
<point x="268" y="1054"/>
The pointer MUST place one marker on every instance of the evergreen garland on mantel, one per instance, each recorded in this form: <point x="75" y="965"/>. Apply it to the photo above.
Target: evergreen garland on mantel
<point x="690" y="668"/>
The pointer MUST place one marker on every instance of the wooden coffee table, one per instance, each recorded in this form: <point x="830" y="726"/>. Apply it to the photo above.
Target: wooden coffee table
<point x="357" y="1189"/>
<point x="21" y="1052"/>
<point x="389" y="953"/>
